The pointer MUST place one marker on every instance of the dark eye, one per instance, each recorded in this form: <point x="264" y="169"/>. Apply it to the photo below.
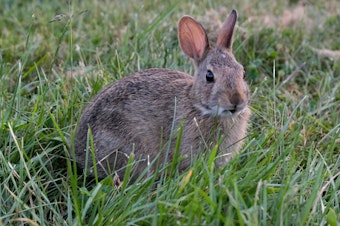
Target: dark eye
<point x="209" y="76"/>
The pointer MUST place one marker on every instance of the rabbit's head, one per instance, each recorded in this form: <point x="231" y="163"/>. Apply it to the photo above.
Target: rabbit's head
<point x="220" y="88"/>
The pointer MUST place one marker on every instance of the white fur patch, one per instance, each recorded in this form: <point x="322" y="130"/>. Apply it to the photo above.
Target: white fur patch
<point x="215" y="111"/>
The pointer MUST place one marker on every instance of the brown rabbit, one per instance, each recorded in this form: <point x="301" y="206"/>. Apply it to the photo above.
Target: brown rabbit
<point x="140" y="112"/>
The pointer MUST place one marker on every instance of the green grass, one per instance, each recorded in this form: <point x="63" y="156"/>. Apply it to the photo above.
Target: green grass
<point x="287" y="172"/>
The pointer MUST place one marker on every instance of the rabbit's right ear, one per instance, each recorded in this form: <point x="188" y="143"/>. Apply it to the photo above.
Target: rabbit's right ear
<point x="192" y="38"/>
<point x="225" y="38"/>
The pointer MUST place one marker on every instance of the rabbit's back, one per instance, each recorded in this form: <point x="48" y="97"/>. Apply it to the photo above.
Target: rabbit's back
<point x="133" y="114"/>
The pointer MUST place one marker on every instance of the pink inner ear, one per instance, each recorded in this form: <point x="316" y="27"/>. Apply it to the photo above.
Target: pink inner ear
<point x="192" y="38"/>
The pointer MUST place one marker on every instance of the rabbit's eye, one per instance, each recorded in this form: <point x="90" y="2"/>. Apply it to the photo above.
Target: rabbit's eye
<point x="209" y="76"/>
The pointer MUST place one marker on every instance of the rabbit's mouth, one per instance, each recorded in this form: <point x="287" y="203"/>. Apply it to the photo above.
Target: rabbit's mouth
<point x="219" y="111"/>
<point x="231" y="111"/>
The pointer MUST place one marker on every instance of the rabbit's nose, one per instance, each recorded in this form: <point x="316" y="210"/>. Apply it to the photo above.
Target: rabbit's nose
<point x="236" y="99"/>
<point x="237" y="102"/>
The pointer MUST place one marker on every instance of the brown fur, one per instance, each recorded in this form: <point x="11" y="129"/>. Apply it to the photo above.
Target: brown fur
<point x="136" y="113"/>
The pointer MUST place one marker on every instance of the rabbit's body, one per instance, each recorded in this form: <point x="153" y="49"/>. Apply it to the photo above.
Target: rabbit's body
<point x="139" y="113"/>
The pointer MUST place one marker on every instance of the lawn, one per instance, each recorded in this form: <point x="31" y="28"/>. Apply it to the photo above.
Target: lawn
<point x="57" y="55"/>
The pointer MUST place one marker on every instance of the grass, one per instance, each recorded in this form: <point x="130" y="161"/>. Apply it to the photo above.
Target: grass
<point x="287" y="172"/>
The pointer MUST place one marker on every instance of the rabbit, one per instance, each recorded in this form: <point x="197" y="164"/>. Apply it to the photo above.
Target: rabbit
<point x="141" y="112"/>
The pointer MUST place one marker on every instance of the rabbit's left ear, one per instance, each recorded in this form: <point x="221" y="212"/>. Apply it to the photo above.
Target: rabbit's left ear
<point x="225" y="37"/>
<point x="192" y="38"/>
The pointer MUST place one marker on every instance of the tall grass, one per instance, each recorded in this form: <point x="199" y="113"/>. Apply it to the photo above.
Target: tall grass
<point x="55" y="57"/>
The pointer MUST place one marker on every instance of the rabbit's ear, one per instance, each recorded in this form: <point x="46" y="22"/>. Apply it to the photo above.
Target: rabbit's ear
<point x="225" y="37"/>
<point x="192" y="38"/>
